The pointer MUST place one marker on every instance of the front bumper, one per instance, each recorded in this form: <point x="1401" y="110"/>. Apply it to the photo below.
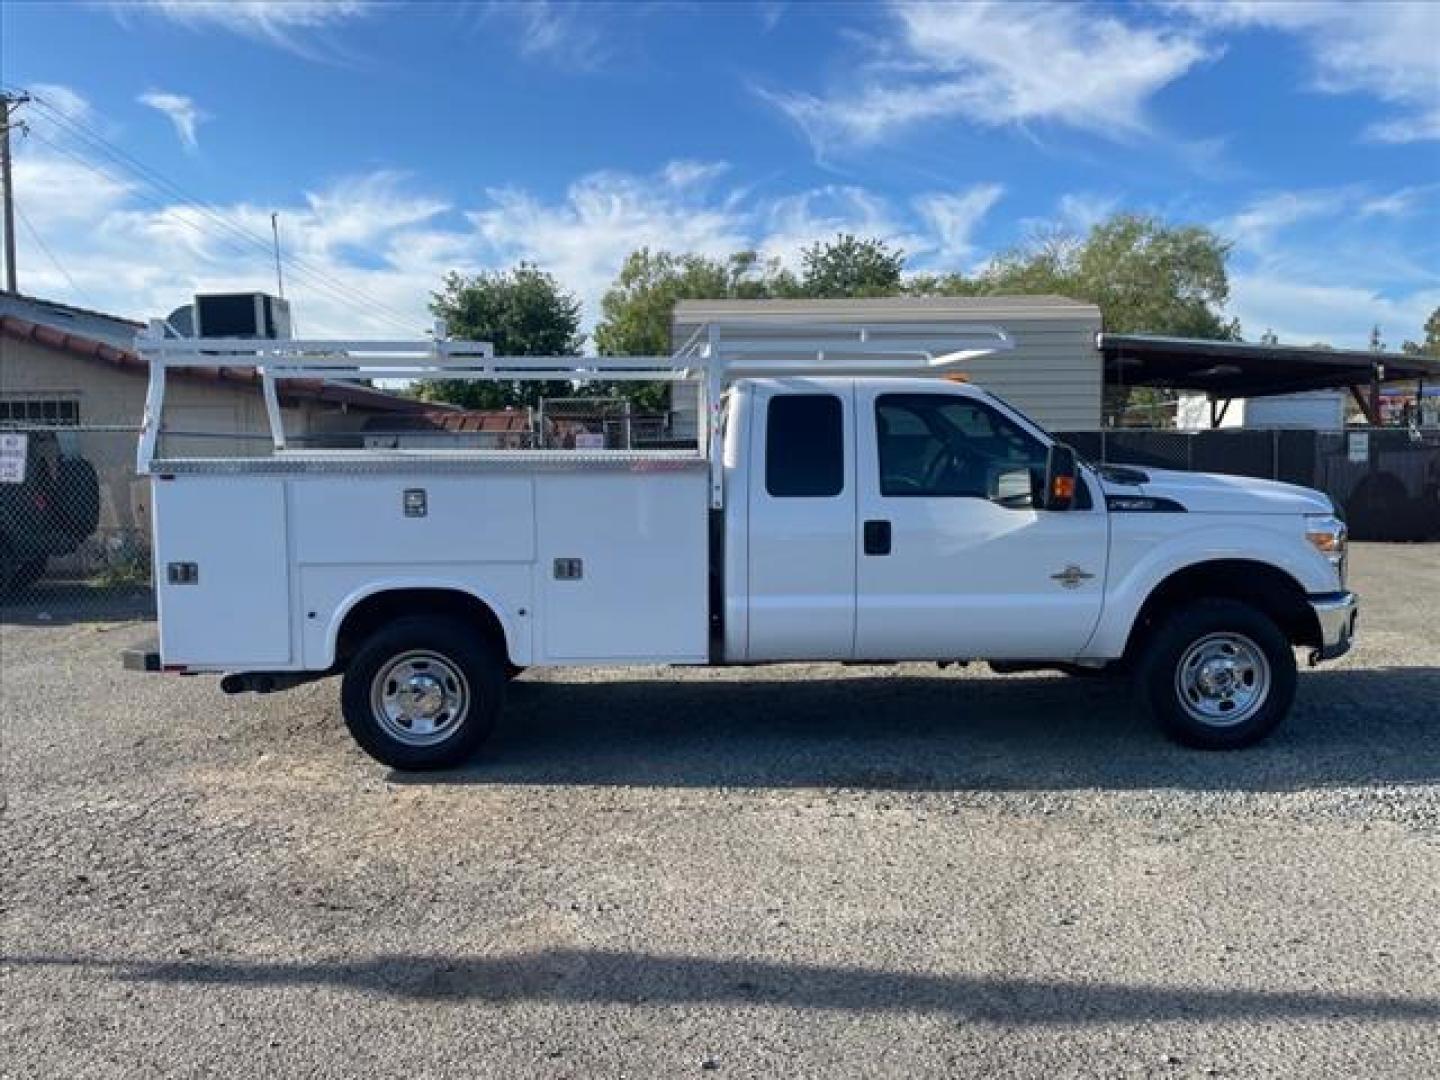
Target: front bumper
<point x="1336" y="614"/>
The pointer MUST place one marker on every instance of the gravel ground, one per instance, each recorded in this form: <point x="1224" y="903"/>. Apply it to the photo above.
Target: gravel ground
<point x="799" y="871"/>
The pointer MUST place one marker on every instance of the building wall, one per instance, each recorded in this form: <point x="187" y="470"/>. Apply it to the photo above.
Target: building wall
<point x="1318" y="410"/>
<point x="1054" y="374"/>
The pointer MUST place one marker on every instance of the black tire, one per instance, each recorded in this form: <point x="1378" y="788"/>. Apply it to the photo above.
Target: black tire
<point x="1210" y="627"/>
<point x="447" y="652"/>
<point x="12" y="572"/>
<point x="27" y="574"/>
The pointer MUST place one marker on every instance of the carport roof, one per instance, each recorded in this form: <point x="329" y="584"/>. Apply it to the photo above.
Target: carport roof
<point x="1240" y="369"/>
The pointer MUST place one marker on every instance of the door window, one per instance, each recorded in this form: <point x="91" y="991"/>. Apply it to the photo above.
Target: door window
<point x="804" y="447"/>
<point x="944" y="445"/>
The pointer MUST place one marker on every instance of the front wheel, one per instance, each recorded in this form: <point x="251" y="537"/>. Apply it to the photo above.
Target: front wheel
<point x="423" y="693"/>
<point x="1219" y="675"/>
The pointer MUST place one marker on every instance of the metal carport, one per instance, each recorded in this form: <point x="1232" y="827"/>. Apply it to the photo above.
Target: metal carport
<point x="1225" y="370"/>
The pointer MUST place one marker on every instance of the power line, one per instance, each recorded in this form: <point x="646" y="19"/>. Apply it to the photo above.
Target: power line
<point x="40" y="242"/>
<point x="317" y="278"/>
<point x="143" y="196"/>
<point x="248" y="243"/>
<point x="158" y="180"/>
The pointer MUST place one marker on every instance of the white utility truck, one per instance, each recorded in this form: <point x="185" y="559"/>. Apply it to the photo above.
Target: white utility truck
<point x="845" y="502"/>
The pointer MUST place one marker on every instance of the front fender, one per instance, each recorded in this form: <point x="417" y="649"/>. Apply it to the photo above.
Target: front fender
<point x="1146" y="549"/>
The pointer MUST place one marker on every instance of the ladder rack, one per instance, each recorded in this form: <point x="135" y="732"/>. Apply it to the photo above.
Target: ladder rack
<point x="716" y="354"/>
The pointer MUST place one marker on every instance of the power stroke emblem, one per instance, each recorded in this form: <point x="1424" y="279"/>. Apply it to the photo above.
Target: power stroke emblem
<point x="1071" y="576"/>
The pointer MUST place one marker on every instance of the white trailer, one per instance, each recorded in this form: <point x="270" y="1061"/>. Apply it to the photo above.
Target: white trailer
<point x="842" y="503"/>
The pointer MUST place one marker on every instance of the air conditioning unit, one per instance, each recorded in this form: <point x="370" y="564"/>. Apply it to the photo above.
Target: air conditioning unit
<point x="241" y="315"/>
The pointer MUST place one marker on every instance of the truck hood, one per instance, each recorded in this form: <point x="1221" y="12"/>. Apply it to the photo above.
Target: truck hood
<point x="1214" y="493"/>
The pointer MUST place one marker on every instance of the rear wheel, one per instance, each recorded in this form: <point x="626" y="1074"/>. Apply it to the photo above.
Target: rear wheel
<point x="1219" y="675"/>
<point x="423" y="693"/>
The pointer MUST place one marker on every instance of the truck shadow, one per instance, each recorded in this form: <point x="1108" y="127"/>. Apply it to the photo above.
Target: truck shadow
<point x="61" y="603"/>
<point x="598" y="976"/>
<point x="944" y="732"/>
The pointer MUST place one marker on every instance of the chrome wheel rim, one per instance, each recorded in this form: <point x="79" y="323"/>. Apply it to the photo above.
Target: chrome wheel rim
<point x="420" y="698"/>
<point x="1223" y="679"/>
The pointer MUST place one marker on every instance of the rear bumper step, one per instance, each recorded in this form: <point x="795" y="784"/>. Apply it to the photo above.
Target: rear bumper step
<point x="142" y="657"/>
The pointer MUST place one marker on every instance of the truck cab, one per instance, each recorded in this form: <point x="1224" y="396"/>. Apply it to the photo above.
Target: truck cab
<point x="901" y="519"/>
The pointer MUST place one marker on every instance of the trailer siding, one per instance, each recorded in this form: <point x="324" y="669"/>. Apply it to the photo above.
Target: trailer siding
<point x="1054" y="374"/>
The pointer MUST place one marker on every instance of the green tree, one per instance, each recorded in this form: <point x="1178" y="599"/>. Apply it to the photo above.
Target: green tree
<point x="1143" y="274"/>
<point x="849" y="266"/>
<point x="635" y="311"/>
<point x="524" y="312"/>
<point x="1431" y="345"/>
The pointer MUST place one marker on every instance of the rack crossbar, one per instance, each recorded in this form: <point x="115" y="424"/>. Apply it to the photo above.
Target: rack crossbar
<point x="711" y="357"/>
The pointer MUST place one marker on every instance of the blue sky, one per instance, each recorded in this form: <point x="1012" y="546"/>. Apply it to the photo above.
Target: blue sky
<point x="399" y="141"/>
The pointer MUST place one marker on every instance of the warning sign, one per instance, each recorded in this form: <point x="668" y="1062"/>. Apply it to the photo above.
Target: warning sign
<point x="1359" y="447"/>
<point x="14" y="450"/>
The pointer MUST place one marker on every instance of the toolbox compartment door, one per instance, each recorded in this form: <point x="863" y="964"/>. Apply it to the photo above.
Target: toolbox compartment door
<point x="235" y="614"/>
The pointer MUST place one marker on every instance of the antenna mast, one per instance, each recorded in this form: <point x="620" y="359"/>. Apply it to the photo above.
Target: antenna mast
<point x="275" y="232"/>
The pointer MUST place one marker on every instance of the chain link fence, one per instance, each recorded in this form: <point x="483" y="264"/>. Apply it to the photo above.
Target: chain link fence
<point x="607" y="424"/>
<point x="74" y="522"/>
<point x="1384" y="481"/>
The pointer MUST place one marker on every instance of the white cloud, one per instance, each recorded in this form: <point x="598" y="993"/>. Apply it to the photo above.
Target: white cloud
<point x="58" y="191"/>
<point x="381" y="243"/>
<point x="1387" y="50"/>
<point x="371" y="247"/>
<point x="953" y="218"/>
<point x="1075" y="214"/>
<point x="361" y="211"/>
<point x="1081" y="211"/>
<point x="180" y="110"/>
<point x="1327" y="264"/>
<point x="685" y="172"/>
<point x="565" y="33"/>
<point x="604" y="216"/>
<point x="786" y="226"/>
<point x="995" y="65"/>
<point x="1302" y="312"/>
<point x="1401" y="203"/>
<point x="285" y="23"/>
<point x="63" y="99"/>
<point x="1256" y="226"/>
<point x="375" y="245"/>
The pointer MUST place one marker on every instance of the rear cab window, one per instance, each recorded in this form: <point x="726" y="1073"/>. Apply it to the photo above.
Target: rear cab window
<point x="804" y="446"/>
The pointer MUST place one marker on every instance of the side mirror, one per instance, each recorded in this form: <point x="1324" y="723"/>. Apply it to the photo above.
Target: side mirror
<point x="1061" y="469"/>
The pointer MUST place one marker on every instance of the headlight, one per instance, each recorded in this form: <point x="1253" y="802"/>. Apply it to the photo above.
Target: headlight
<point x="1327" y="534"/>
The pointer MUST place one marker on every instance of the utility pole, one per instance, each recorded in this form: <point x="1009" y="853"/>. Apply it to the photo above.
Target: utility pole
<point x="8" y="102"/>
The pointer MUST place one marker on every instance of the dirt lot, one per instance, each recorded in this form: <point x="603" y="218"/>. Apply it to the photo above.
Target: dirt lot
<point x="744" y="873"/>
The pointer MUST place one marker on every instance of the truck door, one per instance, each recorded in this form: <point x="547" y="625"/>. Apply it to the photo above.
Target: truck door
<point x="802" y="520"/>
<point x="957" y="561"/>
